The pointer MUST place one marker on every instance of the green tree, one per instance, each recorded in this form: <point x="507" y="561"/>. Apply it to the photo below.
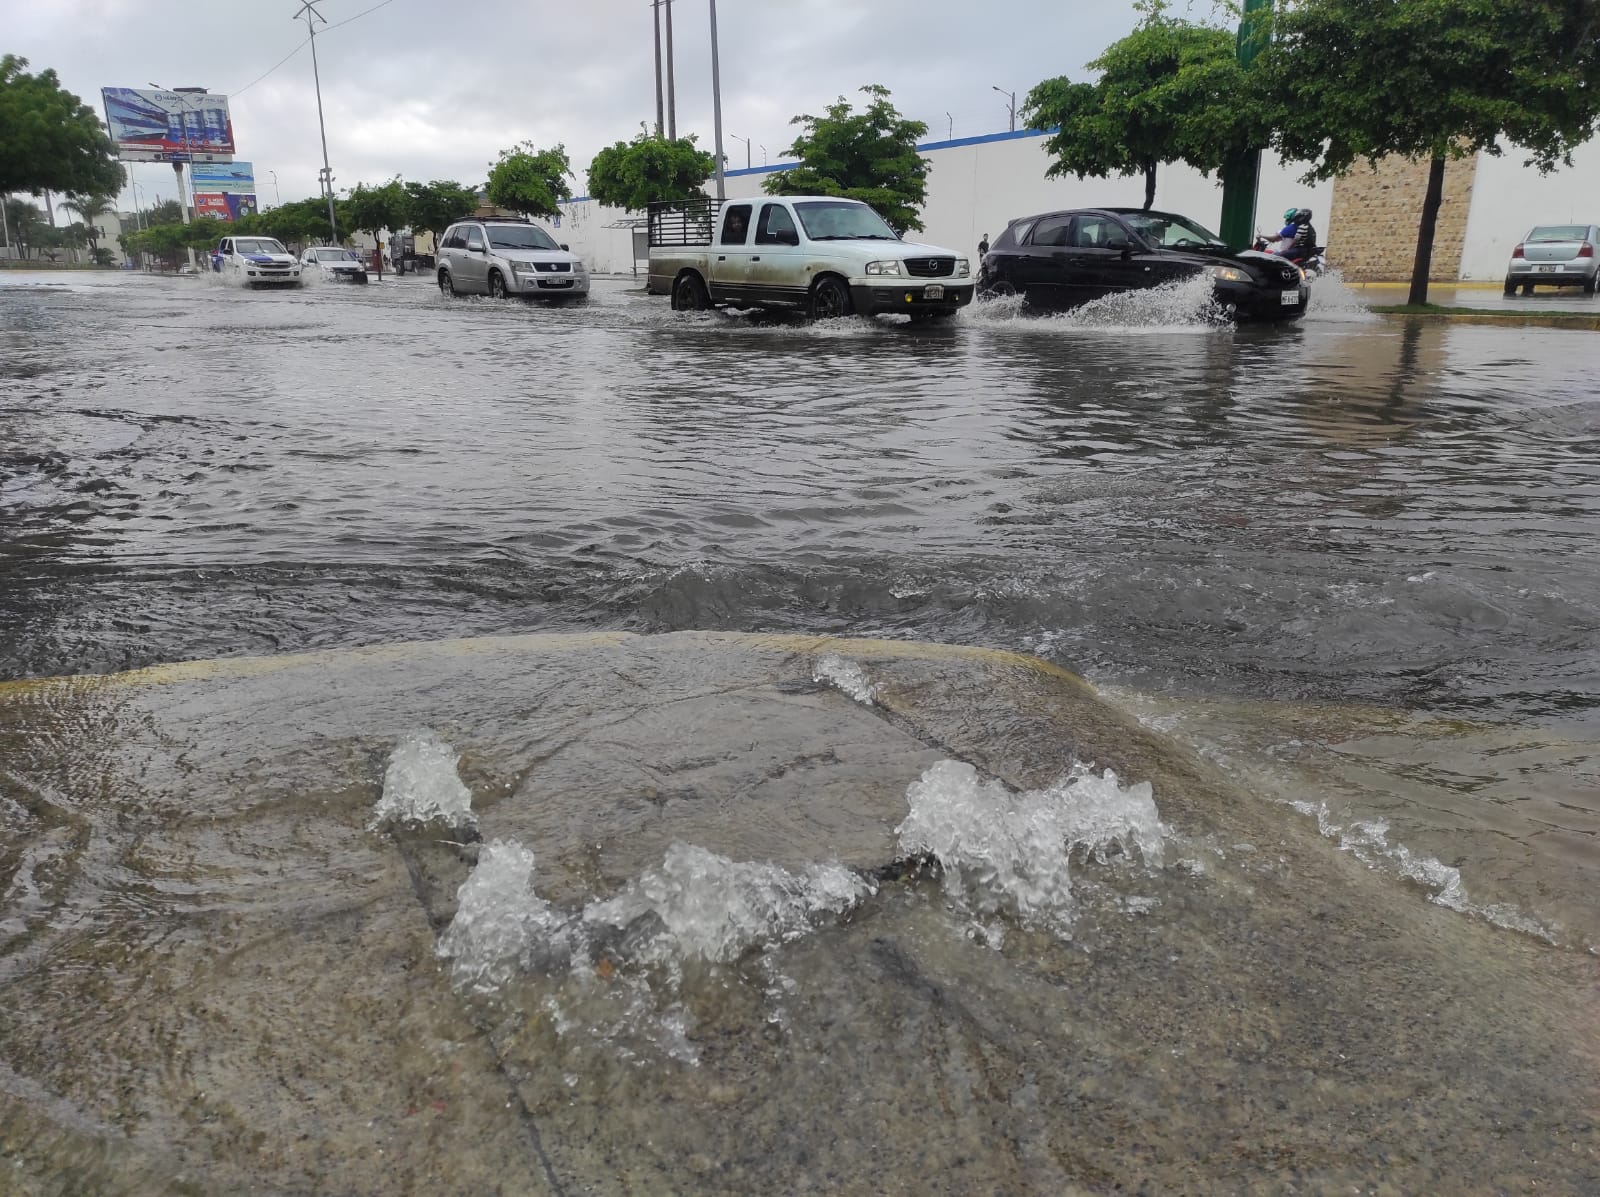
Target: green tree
<point x="89" y="207"/>
<point x="50" y="140"/>
<point x="1171" y="91"/>
<point x="24" y="220"/>
<point x="300" y="222"/>
<point x="437" y="205"/>
<point x="869" y="155"/>
<point x="1354" y="80"/>
<point x="530" y="181"/>
<point x="374" y="209"/>
<point x="165" y="212"/>
<point x="634" y="174"/>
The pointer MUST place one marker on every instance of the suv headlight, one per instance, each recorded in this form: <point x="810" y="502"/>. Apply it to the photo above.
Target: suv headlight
<point x="884" y="268"/>
<point x="577" y="267"/>
<point x="1230" y="274"/>
<point x="523" y="267"/>
<point x="963" y="268"/>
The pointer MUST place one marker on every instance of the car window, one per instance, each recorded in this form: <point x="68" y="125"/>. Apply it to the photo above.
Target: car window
<point x="1559" y="232"/>
<point x="1163" y="228"/>
<point x="736" y="225"/>
<point x="1052" y="230"/>
<point x="474" y="237"/>
<point x="520" y="236"/>
<point x="776" y="227"/>
<point x="1097" y="232"/>
<point x="1015" y="234"/>
<point x="455" y="238"/>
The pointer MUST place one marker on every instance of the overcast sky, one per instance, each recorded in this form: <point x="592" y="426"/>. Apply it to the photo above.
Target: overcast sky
<point x="427" y="90"/>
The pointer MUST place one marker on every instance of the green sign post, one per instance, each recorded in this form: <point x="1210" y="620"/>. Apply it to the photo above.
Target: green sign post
<point x="1242" y="176"/>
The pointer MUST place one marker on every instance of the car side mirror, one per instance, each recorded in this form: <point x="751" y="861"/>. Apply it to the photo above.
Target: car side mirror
<point x="566" y="247"/>
<point x="1121" y="244"/>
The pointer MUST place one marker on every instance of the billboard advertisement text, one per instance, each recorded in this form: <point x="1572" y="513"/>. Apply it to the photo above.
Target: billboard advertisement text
<point x="168" y="126"/>
<point x="226" y="190"/>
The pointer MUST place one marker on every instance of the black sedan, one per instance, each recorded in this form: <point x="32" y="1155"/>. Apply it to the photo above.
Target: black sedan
<point x="1064" y="259"/>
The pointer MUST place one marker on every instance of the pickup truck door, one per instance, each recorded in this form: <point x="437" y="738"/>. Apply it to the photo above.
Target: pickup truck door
<point x="776" y="259"/>
<point x="730" y="255"/>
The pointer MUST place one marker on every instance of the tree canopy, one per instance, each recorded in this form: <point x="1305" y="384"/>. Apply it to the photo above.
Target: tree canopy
<point x="1353" y="80"/>
<point x="372" y="209"/>
<point x="530" y="181"/>
<point x="869" y="156"/>
<point x="634" y="174"/>
<point x="437" y="205"/>
<point x="50" y="140"/>
<point x="1171" y="91"/>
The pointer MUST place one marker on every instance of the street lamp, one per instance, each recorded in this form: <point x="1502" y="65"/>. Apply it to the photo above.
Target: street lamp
<point x="746" y="141"/>
<point x="716" y="101"/>
<point x="312" y="16"/>
<point x="951" y="135"/>
<point x="1011" y="102"/>
<point x="277" y="197"/>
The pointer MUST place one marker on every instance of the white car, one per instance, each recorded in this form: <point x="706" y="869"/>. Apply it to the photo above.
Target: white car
<point x="256" y="262"/>
<point x="1555" y="255"/>
<point x="825" y="255"/>
<point x="334" y="264"/>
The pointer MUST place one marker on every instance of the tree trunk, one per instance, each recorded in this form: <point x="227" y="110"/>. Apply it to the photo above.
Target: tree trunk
<point x="1423" y="263"/>
<point x="1149" y="185"/>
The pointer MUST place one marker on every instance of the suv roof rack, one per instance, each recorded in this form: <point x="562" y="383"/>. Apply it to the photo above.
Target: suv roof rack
<point x="499" y="219"/>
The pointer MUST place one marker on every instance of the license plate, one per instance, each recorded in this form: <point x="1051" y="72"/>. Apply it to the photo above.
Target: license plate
<point x="1290" y="299"/>
<point x="1548" y="269"/>
<point x="933" y="291"/>
<point x="563" y="282"/>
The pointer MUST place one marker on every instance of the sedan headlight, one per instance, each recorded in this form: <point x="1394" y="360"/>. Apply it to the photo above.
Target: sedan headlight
<point x="1230" y="274"/>
<point x="884" y="268"/>
<point x="963" y="267"/>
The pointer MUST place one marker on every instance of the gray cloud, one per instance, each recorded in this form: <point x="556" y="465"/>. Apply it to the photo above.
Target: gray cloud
<point x="428" y="90"/>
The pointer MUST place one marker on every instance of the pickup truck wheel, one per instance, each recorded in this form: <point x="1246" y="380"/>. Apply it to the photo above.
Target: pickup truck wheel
<point x="497" y="285"/>
<point x="830" y="299"/>
<point x="689" y="294"/>
<point x="447" y="285"/>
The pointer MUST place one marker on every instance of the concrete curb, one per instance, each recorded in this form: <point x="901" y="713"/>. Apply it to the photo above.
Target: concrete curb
<point x="1575" y="321"/>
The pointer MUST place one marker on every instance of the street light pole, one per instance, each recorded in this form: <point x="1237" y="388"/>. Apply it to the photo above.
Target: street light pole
<point x="1011" y="104"/>
<point x="672" y="90"/>
<point x="746" y="141"/>
<point x="312" y="16"/>
<point x="716" y="103"/>
<point x="277" y="196"/>
<point x="661" y="121"/>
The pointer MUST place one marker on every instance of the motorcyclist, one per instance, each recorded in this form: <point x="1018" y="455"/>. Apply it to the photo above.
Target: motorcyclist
<point x="1285" y="242"/>
<point x="1305" y="236"/>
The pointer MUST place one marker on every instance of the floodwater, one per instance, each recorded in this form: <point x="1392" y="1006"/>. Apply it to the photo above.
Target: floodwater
<point x="1352" y="562"/>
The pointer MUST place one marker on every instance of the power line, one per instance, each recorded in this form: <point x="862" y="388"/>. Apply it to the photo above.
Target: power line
<point x="240" y="91"/>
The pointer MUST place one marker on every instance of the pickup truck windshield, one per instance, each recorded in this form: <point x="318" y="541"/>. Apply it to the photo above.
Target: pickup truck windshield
<point x="841" y="220"/>
<point x="258" y="245"/>
<point x="503" y="236"/>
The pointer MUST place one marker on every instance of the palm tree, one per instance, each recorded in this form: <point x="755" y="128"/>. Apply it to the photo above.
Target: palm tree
<point x="88" y="206"/>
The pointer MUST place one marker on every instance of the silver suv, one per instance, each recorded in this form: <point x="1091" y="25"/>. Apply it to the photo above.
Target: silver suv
<point x="503" y="256"/>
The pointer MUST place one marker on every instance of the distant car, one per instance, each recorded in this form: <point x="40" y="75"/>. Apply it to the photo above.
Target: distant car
<point x="503" y="256"/>
<point x="1555" y="255"/>
<point x="256" y="262"/>
<point x="1064" y="259"/>
<point x="334" y="264"/>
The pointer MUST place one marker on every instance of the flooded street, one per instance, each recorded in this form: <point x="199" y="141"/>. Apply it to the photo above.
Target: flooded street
<point x="1352" y="565"/>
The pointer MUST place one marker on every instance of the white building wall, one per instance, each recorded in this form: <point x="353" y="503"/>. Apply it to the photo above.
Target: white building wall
<point x="1508" y="199"/>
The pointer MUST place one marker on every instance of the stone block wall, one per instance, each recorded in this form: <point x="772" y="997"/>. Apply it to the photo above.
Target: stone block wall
<point x="1371" y="233"/>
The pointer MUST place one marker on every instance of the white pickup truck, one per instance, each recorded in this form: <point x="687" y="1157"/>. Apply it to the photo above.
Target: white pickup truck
<point x="827" y="255"/>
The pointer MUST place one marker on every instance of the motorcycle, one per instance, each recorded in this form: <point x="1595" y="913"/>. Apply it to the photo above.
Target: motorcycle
<point x="1314" y="264"/>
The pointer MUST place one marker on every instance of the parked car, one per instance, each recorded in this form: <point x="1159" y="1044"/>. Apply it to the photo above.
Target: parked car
<point x="1064" y="259"/>
<point x="1555" y="255"/>
<point x="256" y="262"/>
<point x="826" y="255"/>
<point x="503" y="256"/>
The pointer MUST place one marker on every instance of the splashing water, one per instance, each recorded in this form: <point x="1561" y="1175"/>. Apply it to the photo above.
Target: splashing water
<point x="1010" y="853"/>
<point x="421" y="785"/>
<point x="1183" y="303"/>
<point x="1333" y="300"/>
<point x="501" y="925"/>
<point x="846" y="676"/>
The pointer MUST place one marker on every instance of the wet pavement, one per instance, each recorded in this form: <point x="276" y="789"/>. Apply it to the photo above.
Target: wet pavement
<point x="1350" y="563"/>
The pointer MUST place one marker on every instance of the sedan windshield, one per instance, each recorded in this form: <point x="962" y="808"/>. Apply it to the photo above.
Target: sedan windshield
<point x="258" y="245"/>
<point x="525" y="236"/>
<point x="1559" y="232"/>
<point x="842" y="220"/>
<point x="1172" y="232"/>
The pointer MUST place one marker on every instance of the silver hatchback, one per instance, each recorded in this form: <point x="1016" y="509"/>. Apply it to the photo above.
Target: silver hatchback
<point x="1555" y="255"/>
<point x="503" y="256"/>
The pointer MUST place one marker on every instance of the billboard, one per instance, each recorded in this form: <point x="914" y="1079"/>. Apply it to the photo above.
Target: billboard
<point x="168" y="126"/>
<point x="226" y="190"/>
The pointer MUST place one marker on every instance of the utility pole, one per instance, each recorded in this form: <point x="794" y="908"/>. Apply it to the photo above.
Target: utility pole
<point x="1011" y="104"/>
<point x="1241" y="178"/>
<point x="716" y="104"/>
<point x="309" y="12"/>
<point x="672" y="90"/>
<point x="661" y="121"/>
